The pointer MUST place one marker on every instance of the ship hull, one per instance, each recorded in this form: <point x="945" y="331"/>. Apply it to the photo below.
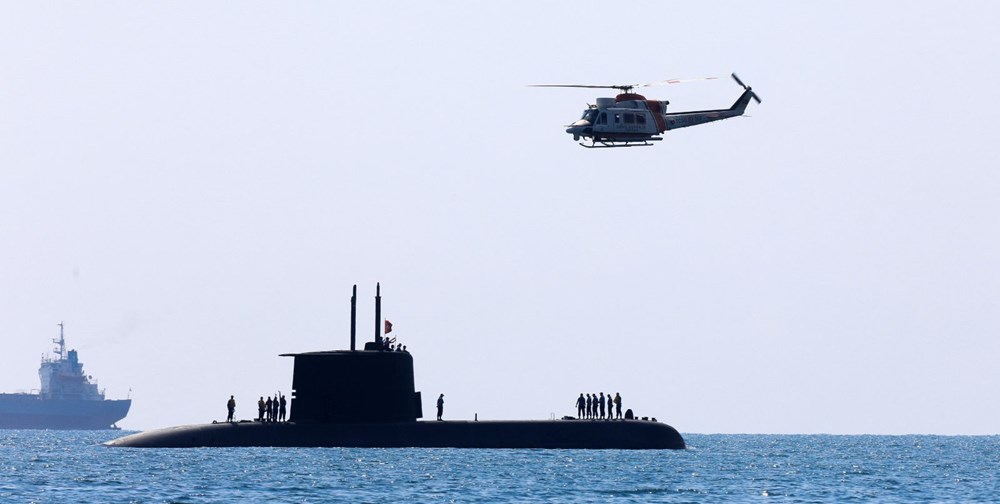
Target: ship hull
<point x="30" y="411"/>
<point x="566" y="434"/>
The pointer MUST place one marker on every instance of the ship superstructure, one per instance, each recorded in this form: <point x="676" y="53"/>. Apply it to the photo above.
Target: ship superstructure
<point x="68" y="398"/>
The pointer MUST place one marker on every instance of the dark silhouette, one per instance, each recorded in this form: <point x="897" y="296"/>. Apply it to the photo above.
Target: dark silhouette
<point x="281" y="409"/>
<point x="618" y="405"/>
<point x="601" y="403"/>
<point x="611" y="405"/>
<point x="366" y="398"/>
<point x="580" y="404"/>
<point x="267" y="408"/>
<point x="440" y="406"/>
<point x="260" y="409"/>
<point x="231" y="406"/>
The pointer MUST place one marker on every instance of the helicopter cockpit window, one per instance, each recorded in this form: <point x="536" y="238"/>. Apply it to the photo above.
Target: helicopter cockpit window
<point x="589" y="115"/>
<point x="640" y="119"/>
<point x="603" y="118"/>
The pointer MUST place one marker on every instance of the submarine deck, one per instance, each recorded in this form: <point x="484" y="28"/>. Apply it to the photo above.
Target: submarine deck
<point x="567" y="434"/>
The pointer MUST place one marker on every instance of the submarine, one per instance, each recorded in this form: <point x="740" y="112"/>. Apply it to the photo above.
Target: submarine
<point x="367" y="399"/>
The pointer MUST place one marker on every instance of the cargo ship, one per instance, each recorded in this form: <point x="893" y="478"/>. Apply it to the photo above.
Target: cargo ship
<point x="68" y="399"/>
<point x="366" y="399"/>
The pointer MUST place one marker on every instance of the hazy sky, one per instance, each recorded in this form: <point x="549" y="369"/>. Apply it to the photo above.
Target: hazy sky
<point x="194" y="187"/>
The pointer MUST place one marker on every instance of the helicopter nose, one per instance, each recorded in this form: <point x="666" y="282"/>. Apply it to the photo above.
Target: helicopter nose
<point x="579" y="128"/>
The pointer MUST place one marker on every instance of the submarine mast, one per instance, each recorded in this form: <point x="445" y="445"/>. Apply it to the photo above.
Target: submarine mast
<point x="378" y="315"/>
<point x="354" y="313"/>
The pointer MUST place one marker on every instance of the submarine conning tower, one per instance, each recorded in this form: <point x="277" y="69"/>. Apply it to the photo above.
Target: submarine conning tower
<point x="355" y="386"/>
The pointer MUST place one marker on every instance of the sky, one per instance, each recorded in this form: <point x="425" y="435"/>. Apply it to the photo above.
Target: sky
<point x="193" y="188"/>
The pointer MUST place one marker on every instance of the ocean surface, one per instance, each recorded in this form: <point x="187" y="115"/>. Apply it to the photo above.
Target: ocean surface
<point x="54" y="466"/>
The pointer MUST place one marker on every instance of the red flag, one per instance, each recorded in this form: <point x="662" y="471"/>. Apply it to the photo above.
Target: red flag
<point x="388" y="326"/>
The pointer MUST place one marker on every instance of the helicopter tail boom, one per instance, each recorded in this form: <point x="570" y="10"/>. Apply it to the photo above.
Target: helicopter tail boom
<point x="685" y="119"/>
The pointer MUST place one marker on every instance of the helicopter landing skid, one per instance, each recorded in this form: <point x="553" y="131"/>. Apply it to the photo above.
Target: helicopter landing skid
<point x="614" y="144"/>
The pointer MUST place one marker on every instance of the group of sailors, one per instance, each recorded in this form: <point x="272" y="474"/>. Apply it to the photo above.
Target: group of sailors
<point x="271" y="410"/>
<point x="390" y="345"/>
<point x="592" y="406"/>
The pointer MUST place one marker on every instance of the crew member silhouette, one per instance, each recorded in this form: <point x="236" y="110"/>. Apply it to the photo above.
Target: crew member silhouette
<point x="580" y="404"/>
<point x="268" y="408"/>
<point x="260" y="409"/>
<point x="600" y="402"/>
<point x="281" y="409"/>
<point x="590" y="406"/>
<point x="231" y="406"/>
<point x="618" y="405"/>
<point x="440" y="406"/>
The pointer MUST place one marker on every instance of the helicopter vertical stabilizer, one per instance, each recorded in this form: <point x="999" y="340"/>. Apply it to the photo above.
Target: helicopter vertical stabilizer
<point x="741" y="103"/>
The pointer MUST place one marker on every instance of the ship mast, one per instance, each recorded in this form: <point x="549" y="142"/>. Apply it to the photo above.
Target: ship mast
<point x="61" y="349"/>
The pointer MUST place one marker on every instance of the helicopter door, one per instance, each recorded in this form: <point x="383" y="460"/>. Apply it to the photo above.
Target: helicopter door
<point x="601" y="123"/>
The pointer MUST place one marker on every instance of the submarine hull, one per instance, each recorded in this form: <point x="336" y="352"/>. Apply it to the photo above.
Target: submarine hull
<point x="566" y="434"/>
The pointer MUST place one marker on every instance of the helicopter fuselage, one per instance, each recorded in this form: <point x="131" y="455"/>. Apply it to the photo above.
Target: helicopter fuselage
<point x="630" y="119"/>
<point x="628" y="116"/>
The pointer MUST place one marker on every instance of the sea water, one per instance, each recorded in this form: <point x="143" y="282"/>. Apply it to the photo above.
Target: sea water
<point x="72" y="466"/>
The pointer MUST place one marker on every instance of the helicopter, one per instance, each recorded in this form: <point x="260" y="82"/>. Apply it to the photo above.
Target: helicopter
<point x="630" y="120"/>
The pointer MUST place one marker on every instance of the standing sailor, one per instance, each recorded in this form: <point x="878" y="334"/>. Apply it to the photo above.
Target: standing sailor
<point x="231" y="406"/>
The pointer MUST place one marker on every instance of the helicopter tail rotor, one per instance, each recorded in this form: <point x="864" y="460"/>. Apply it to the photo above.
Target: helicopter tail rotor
<point x="748" y="88"/>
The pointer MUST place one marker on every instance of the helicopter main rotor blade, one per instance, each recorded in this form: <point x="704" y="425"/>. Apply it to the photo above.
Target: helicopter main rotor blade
<point x="590" y="86"/>
<point x="675" y="81"/>
<point x="624" y="87"/>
